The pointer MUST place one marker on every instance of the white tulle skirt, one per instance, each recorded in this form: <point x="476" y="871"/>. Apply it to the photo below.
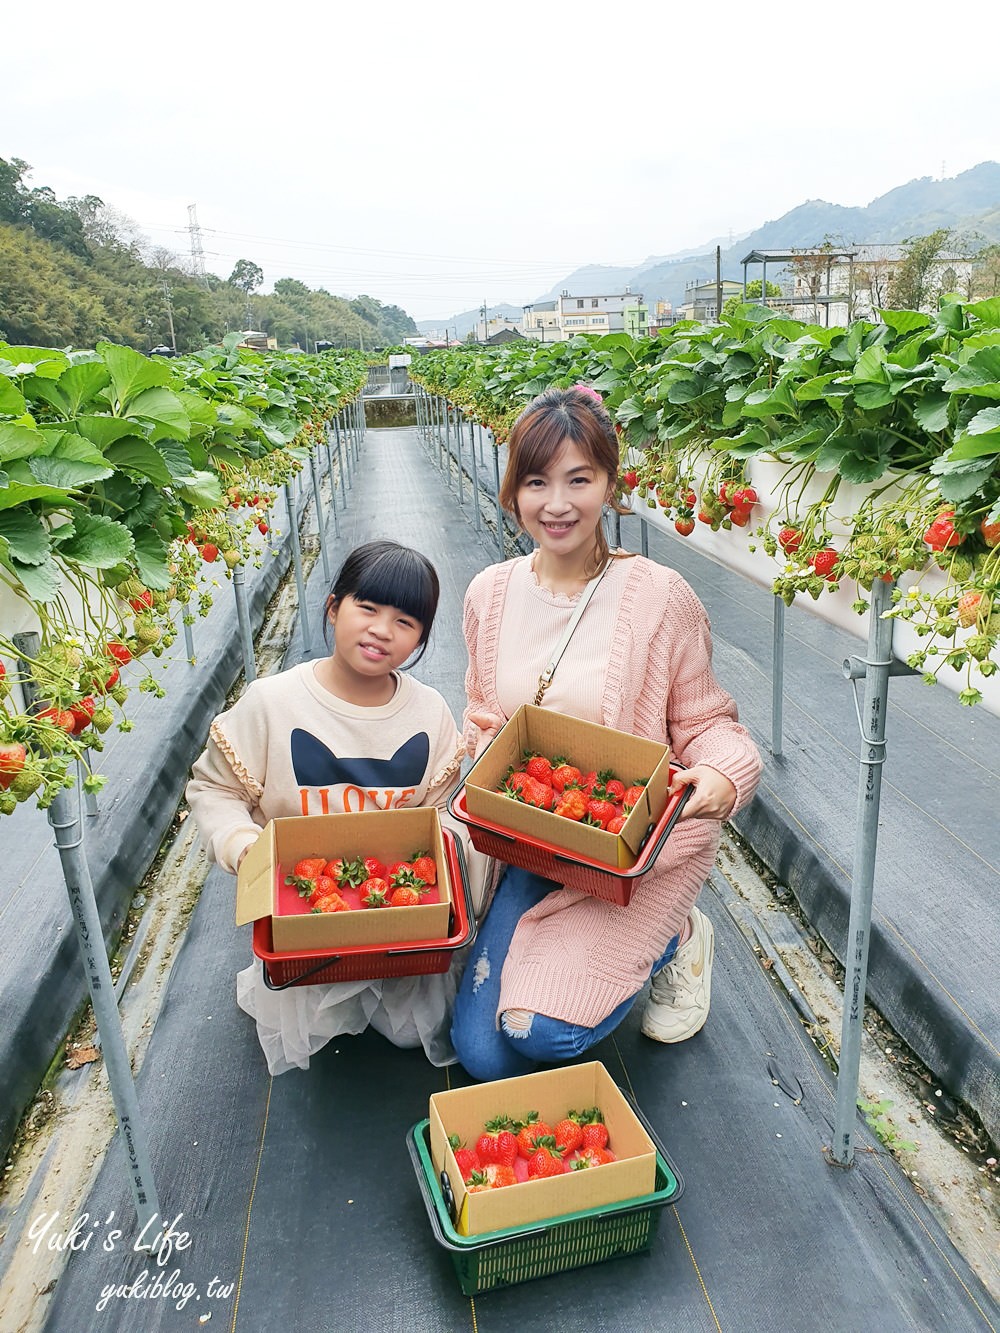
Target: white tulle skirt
<point x="293" y="1024"/>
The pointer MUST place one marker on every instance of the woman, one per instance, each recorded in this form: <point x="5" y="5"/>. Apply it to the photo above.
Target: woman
<point x="554" y="969"/>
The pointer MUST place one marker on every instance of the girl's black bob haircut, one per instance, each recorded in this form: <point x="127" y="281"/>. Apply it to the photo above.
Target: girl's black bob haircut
<point x="390" y="575"/>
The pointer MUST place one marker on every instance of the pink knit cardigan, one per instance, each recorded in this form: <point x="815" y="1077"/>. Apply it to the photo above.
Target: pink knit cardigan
<point x="575" y="957"/>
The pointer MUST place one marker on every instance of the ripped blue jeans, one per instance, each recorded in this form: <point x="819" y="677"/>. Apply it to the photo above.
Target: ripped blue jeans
<point x="488" y="1052"/>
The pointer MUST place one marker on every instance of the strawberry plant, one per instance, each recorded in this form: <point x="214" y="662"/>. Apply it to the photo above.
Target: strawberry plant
<point x="117" y="472"/>
<point x="908" y="407"/>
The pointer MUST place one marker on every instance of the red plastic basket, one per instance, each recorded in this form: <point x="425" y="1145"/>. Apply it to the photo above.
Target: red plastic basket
<point x="553" y="862"/>
<point x="310" y="967"/>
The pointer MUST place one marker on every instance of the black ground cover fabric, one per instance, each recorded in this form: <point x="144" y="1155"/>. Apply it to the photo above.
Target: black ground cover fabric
<point x="300" y="1194"/>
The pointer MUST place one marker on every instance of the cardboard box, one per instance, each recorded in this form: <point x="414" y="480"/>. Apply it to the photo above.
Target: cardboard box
<point x="551" y="1092"/>
<point x="588" y="746"/>
<point x="390" y="835"/>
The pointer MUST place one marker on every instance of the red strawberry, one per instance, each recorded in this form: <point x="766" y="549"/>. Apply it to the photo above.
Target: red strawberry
<point x="58" y="717"/>
<point x="374" y="867"/>
<point x="568" y="1135"/>
<point x="545" y="1162"/>
<point x="614" y="790"/>
<point x="467" y="1161"/>
<point x="631" y="479"/>
<point x="824" y="561"/>
<point x="486" y="1147"/>
<point x="425" y="868"/>
<point x="500" y="1175"/>
<point x="353" y="872"/>
<point x="321" y="887"/>
<point x="537" y="793"/>
<point x="397" y="872"/>
<point x="83" y="712"/>
<point x="142" y="602"/>
<point x="333" y="902"/>
<point x="262" y="528"/>
<point x="790" y="539"/>
<point x="504" y="1140"/>
<point x="600" y="811"/>
<point x="210" y="552"/>
<point x="12" y="757"/>
<point x="573" y="804"/>
<point x="615" y="825"/>
<point x="374" y="892"/>
<point x="590" y="780"/>
<point x="309" y="867"/>
<point x="118" y="651"/>
<point x="530" y="1132"/>
<point x="739" y="516"/>
<point x="593" y="1157"/>
<point x="633" y="795"/>
<point x="684" y="525"/>
<point x="539" y="767"/>
<point x="565" y="775"/>
<point x="595" y="1135"/>
<point x="991" y="532"/>
<point x="745" y="498"/>
<point x="406" y="896"/>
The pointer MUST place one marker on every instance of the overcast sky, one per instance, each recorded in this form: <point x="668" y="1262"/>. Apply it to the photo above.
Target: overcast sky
<point x="435" y="155"/>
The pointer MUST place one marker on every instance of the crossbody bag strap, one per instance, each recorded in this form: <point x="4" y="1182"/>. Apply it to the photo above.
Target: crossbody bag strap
<point x="545" y="679"/>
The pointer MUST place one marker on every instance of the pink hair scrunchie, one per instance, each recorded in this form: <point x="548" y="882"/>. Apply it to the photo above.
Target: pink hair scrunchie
<point x="585" y="388"/>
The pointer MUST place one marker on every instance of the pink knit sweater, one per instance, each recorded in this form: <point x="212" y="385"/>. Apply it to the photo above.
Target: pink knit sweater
<point x="575" y="957"/>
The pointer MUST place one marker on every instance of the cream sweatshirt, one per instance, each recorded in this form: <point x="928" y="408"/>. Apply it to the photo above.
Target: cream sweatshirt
<point x="290" y="747"/>
<point x="640" y="661"/>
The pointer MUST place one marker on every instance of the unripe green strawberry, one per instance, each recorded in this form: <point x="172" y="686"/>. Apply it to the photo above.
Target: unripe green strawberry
<point x="232" y="558"/>
<point x="8" y="803"/>
<point x="102" y="719"/>
<point x="25" y="784"/>
<point x="147" y="633"/>
<point x="129" y="588"/>
<point x="119" y="693"/>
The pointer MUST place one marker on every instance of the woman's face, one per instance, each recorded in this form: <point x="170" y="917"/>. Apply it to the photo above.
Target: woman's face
<point x="561" y="507"/>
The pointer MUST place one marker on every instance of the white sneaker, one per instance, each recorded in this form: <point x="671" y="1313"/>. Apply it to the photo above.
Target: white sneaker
<point x="682" y="991"/>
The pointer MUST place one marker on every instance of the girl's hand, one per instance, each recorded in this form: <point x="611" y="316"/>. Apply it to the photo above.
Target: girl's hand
<point x="489" y="724"/>
<point x="713" y="797"/>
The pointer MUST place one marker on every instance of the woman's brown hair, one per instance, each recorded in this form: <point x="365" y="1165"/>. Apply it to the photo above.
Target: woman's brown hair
<point x="539" y="433"/>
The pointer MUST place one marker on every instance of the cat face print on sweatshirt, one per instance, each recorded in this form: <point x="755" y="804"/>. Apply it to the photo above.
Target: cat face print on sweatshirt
<point x="331" y="784"/>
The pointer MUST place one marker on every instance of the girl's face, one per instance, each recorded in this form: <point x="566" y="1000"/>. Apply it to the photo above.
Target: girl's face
<point x="561" y="507"/>
<point x="372" y="639"/>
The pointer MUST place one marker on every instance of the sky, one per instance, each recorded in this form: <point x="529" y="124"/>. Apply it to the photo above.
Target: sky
<point x="439" y="155"/>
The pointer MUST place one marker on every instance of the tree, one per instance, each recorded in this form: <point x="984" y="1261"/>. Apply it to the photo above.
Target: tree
<point x="914" y="285"/>
<point x="753" y="294"/>
<point x="247" y="276"/>
<point x="986" y="273"/>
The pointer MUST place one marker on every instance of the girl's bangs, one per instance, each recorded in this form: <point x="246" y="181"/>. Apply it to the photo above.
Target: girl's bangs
<point x="395" y="578"/>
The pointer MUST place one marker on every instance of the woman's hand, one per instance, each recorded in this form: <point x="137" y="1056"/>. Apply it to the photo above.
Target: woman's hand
<point x="713" y="797"/>
<point x="489" y="724"/>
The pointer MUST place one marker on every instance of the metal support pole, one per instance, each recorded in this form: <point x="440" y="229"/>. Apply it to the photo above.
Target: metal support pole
<point x="447" y="437"/>
<point x="643" y="536"/>
<point x="496" y="497"/>
<point x="341" y="452"/>
<point x="476" y="520"/>
<point x="243" y="616"/>
<point x="875" y="669"/>
<point x="458" y="447"/>
<point x="64" y="819"/>
<point x="333" y="487"/>
<point x="300" y="584"/>
<point x="320" y="516"/>
<point x="777" y="677"/>
<point x="188" y="633"/>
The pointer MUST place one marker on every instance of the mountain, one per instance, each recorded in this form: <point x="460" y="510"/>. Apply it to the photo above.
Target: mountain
<point x="968" y="204"/>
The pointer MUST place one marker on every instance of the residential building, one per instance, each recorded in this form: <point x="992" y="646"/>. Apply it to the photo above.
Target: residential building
<point x="701" y="298"/>
<point x="566" y="316"/>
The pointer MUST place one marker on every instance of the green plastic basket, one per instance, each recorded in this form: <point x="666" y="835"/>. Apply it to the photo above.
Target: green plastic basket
<point x="498" y="1259"/>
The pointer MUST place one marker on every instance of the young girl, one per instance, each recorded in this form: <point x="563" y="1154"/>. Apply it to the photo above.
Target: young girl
<point x="554" y="969"/>
<point x="346" y="733"/>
